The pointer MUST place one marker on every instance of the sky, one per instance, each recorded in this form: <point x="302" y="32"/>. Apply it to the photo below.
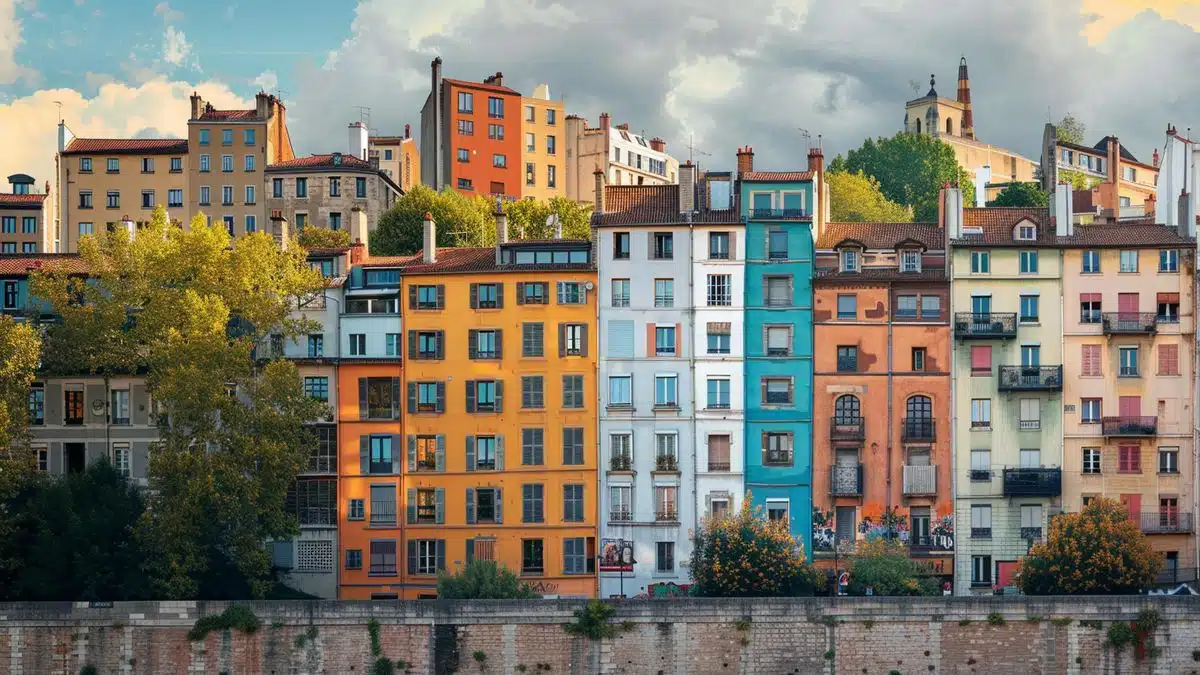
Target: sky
<point x="772" y="74"/>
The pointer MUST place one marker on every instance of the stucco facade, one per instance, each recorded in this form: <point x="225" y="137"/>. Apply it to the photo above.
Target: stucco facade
<point x="543" y="145"/>
<point x="27" y="223"/>
<point x="625" y="158"/>
<point x="398" y="157"/>
<point x="330" y="192"/>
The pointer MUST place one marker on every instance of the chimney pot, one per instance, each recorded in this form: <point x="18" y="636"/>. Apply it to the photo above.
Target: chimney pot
<point x="430" y="240"/>
<point x="408" y="131"/>
<point x="599" y="199"/>
<point x="745" y="160"/>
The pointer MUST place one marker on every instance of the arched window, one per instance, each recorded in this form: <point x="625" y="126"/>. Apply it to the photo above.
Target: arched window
<point x="918" y="419"/>
<point x="919" y="407"/>
<point x="846" y="410"/>
<point x="949" y="127"/>
<point x="918" y="126"/>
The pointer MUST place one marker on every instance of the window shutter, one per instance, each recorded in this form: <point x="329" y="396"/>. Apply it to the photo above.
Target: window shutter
<point x="412" y="344"/>
<point x="412" y="297"/>
<point x="412" y="510"/>
<point x="412" y="553"/>
<point x="412" y="452"/>
<point x="562" y="340"/>
<point x="439" y="500"/>
<point x="412" y="397"/>
<point x="500" y="453"/>
<point x="395" y="399"/>
<point x="441" y="555"/>
<point x="396" y="454"/>
<point x="499" y="343"/>
<point x="470" y="453"/>
<point x="650" y="245"/>
<point x="441" y="452"/>
<point x="472" y="344"/>
<point x="520" y="292"/>
<point x="441" y="296"/>
<point x="651" y="346"/>
<point x="474" y="296"/>
<point x="678" y="339"/>
<point x="763" y="393"/>
<point x="470" y="552"/>
<point x="470" y="506"/>
<point x="1168" y="359"/>
<point x="441" y="397"/>
<point x="362" y="398"/>
<point x="500" y="295"/>
<point x="499" y="501"/>
<point x="583" y="339"/>
<point x="733" y="245"/>
<point x="441" y="345"/>
<point x="364" y="455"/>
<point x="470" y="396"/>
<point x="499" y="395"/>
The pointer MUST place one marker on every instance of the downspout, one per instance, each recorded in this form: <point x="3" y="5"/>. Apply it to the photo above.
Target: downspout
<point x="951" y="370"/>
<point x="890" y="378"/>
<point x="691" y="316"/>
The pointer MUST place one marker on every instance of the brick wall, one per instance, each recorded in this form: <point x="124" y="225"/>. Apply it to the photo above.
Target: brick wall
<point x="875" y="636"/>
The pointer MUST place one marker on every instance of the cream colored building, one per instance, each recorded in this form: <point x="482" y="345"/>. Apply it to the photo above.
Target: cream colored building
<point x="625" y="158"/>
<point x="398" y="156"/>
<point x="331" y="191"/>
<point x="543" y="152"/>
<point x="1122" y="186"/>
<point x="26" y="217"/>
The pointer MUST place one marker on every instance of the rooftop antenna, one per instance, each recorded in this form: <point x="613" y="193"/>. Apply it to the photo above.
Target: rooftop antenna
<point x="915" y="86"/>
<point x="364" y="114"/>
<point x="59" y="104"/>
<point x="692" y="150"/>
<point x="279" y="93"/>
<point x="806" y="136"/>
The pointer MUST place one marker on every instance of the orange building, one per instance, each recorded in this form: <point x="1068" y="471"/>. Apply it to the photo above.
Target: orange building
<point x="881" y="456"/>
<point x="471" y="136"/>
<point x="500" y="423"/>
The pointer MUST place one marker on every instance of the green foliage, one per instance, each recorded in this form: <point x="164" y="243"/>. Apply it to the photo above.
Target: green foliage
<point x="996" y="619"/>
<point x="1062" y="621"/>
<point x="1021" y="194"/>
<point x="742" y="625"/>
<point x="483" y="580"/>
<point x="856" y="198"/>
<point x="306" y="637"/>
<point x="1036" y="618"/>
<point x="1098" y="551"/>
<point x="20" y="353"/>
<point x="1071" y="129"/>
<point x="479" y="656"/>
<point x="1120" y="635"/>
<point x="964" y="622"/>
<point x="1077" y="179"/>
<point x="383" y="666"/>
<point x="1147" y="621"/>
<point x="592" y="621"/>
<point x="469" y="221"/>
<point x="1095" y="625"/>
<point x="89" y="669"/>
<point x="911" y="170"/>
<point x="320" y="237"/>
<point x="746" y="555"/>
<point x="373" y="632"/>
<point x="1196" y="654"/>
<point x="235" y="617"/>
<point x="886" y="567"/>
<point x="829" y="655"/>
<point x="868" y="624"/>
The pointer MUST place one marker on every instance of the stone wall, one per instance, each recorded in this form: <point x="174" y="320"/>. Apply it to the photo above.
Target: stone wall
<point x="875" y="636"/>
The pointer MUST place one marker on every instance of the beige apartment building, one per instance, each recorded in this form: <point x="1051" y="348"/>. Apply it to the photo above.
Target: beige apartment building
<point x="332" y="191"/>
<point x="626" y="158"/>
<point x="230" y="151"/>
<point x="398" y="156"/>
<point x="103" y="181"/>
<point x="26" y="217"/>
<point x="542" y="145"/>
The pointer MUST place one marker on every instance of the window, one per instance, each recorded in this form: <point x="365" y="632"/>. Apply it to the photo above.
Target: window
<point x="847" y="307"/>
<point x="114" y="165"/>
<point x="357" y="509"/>
<point x="666" y="504"/>
<point x="779" y="291"/>
<point x="205" y="195"/>
<point x="10" y="294"/>
<point x="1129" y="261"/>
<point x="466" y="102"/>
<point x="777" y="245"/>
<point x="532" y="503"/>
<point x="463" y="155"/>
<point x="227" y="137"/>
<point x="1031" y="414"/>
<point x="429" y="346"/>
<point x="226" y="163"/>
<point x="379" y="397"/>
<point x="248" y="136"/>
<point x="981" y="464"/>
<point x="317" y="387"/>
<point x="73" y="408"/>
<point x="718" y="393"/>
<point x="532" y="397"/>
<point x="484" y="344"/>
<point x="533" y="444"/>
<point x="360" y="188"/>
<point x="113" y="200"/>
<point x="981" y="262"/>
<point x="1031" y="521"/>
<point x="981" y="570"/>
<point x="431" y="396"/>
<point x="664" y="246"/>
<point x="530" y="173"/>
<point x="1129" y="459"/>
<point x="918" y="359"/>
<point x="358" y="344"/>
<point x="551" y="146"/>
<point x="906" y="306"/>
<point x="381" y="457"/>
<point x="981" y="360"/>
<point x="174" y="198"/>
<point x="465" y="184"/>
<point x="1031" y="355"/>
<point x="85" y="200"/>
<point x="573" y="503"/>
<point x="720" y="290"/>
<point x="572" y="390"/>
<point x="37" y="405"/>
<point x="1129" y="173"/>
<point x="485" y="296"/>
<point x="466" y="128"/>
<point x="718" y="246"/>
<point x="1168" y="359"/>
<point x="1089" y="308"/>
<point x="1029" y="309"/>
<point x="981" y="521"/>
<point x="1091" y="460"/>
<point x="1168" y="459"/>
<point x="227" y="195"/>
<point x="910" y="261"/>
<point x="981" y="413"/>
<point x="664" y="557"/>
<point x="777" y="509"/>
<point x="620" y="390"/>
<point x="301" y="221"/>
<point x="551" y="176"/>
<point x="383" y="504"/>
<point x="1091" y="262"/>
<point x="85" y="164"/>
<point x="777" y="448"/>
<point x="576" y="559"/>
<point x="664" y="292"/>
<point x="931" y="307"/>
<point x="666" y="391"/>
<point x="1089" y="411"/>
<point x="485" y="396"/>
<point x="147" y="165"/>
<point x="571" y="293"/>
<point x="532" y="335"/>
<point x="664" y="341"/>
<point x="496" y="132"/>
<point x="1026" y="232"/>
<point x="427" y="297"/>
<point x="779" y="340"/>
<point x="532" y="552"/>
<point x="302" y="187"/>
<point x="1128" y="361"/>
<point x="1168" y="260"/>
<point x="495" y="107"/>
<point x="621" y="500"/>
<point x="719" y="337"/>
<point x="718" y="452"/>
<point x="499" y="161"/>
<point x="620" y="246"/>
<point x="1029" y="262"/>
<point x="86" y="228"/>
<point x="391" y="344"/>
<point x="847" y="359"/>
<point x="335" y="186"/>
<point x="777" y="390"/>
<point x="1168" y="307"/>
<point x="425" y="556"/>
<point x="28" y="247"/>
<point x="248" y="165"/>
<point x="119" y="410"/>
<point x="481" y="453"/>
<point x="8" y="224"/>
<point x="250" y="194"/>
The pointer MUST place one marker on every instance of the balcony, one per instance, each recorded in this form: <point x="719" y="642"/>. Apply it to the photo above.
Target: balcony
<point x="621" y="516"/>
<point x="621" y="463"/>
<point x="846" y="480"/>
<point x="980" y="475"/>
<point x="779" y="214"/>
<point x="917" y="429"/>
<point x="666" y="464"/>
<point x="1125" y="425"/>
<point x="1031" y="378"/>
<point x="985" y="326"/>
<point x="930" y="544"/>
<point x="1176" y="575"/>
<point x="844" y="428"/>
<point x="666" y="515"/>
<point x="1130" y="323"/>
<point x="718" y="466"/>
<point x="1033" y="482"/>
<point x="1166" y="522"/>
<point x="920" y="480"/>
<point x="1031" y="533"/>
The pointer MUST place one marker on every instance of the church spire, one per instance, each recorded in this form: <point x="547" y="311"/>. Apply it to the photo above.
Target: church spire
<point x="964" y="96"/>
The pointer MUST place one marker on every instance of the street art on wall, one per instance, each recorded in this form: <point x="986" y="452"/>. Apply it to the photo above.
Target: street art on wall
<point x="877" y="522"/>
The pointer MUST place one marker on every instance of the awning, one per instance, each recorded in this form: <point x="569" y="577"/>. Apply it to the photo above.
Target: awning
<point x="1089" y="297"/>
<point x="1168" y="298"/>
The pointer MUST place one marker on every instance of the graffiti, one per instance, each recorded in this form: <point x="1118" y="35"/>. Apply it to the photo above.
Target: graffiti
<point x="544" y="588"/>
<point x="669" y="589"/>
<point x="823" y="532"/>
<point x="883" y="523"/>
<point x="890" y="524"/>
<point x="941" y="535"/>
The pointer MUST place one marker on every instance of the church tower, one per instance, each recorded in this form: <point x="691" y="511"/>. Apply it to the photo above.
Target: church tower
<point x="967" y="127"/>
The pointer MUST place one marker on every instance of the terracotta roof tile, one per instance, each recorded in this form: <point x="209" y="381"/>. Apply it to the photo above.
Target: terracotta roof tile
<point x="127" y="146"/>
<point x="776" y="176"/>
<point x="229" y="115"/>
<point x="832" y="276"/>
<point x="653" y="205"/>
<point x="465" y="261"/>
<point x="882" y="235"/>
<point x="21" y="201"/>
<point x="1125" y="235"/>
<point x="322" y="161"/>
<point x="22" y="264"/>
<point x="479" y="85"/>
<point x="997" y="223"/>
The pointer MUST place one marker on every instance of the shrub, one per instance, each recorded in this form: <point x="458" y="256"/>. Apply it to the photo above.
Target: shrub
<point x="996" y="619"/>
<point x="235" y="617"/>
<point x="592" y="621"/>
<point x="483" y="580"/>
<point x="319" y="237"/>
<point x="746" y="555"/>
<point x="1120" y="635"/>
<point x="886" y="568"/>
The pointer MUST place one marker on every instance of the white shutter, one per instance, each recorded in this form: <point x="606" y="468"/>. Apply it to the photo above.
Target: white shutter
<point x="620" y="339"/>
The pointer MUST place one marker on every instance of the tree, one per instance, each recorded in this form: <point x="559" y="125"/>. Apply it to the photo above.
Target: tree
<point x="746" y="555"/>
<point x="1021" y="194"/>
<point x="886" y="568"/>
<point x="527" y="219"/>
<point x="1098" y="551"/>
<point x="20" y="351"/>
<point x="483" y="580"/>
<point x="319" y="237"/>
<point x="1077" y="179"/>
<point x="855" y="198"/>
<point x="188" y="307"/>
<point x="911" y="170"/>
<point x="1071" y="129"/>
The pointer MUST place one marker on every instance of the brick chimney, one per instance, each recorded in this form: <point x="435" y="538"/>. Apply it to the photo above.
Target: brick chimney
<point x="197" y="106"/>
<point x="687" y="187"/>
<point x="501" y="228"/>
<point x="605" y="121"/>
<point x="658" y="145"/>
<point x="598" y="206"/>
<point x="1151" y="204"/>
<point x="1156" y="158"/>
<point x="745" y="160"/>
<point x="262" y="105"/>
<point x="408" y="131"/>
<point x="430" y="240"/>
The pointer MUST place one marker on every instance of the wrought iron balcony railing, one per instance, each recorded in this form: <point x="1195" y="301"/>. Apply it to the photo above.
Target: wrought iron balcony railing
<point x="844" y="428"/>
<point x="1127" y="425"/>
<point x="985" y="326"/>
<point x="1031" y="378"/>
<point x="779" y="214"/>
<point x="1033" y="482"/>
<point x="917" y="429"/>
<point x="846" y="480"/>
<point x="1166" y="522"/>
<point x="920" y="480"/>
<point x="1130" y="323"/>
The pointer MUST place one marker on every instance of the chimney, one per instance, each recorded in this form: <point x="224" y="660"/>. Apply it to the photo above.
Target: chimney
<point x="197" y="106"/>
<point x="983" y="176"/>
<point x="950" y="215"/>
<point x="816" y="165"/>
<point x="437" y="162"/>
<point x="1151" y="205"/>
<point x="359" y="231"/>
<point x="501" y="228"/>
<point x="605" y="121"/>
<point x="430" y="249"/>
<point x="262" y="105"/>
<point x="498" y="79"/>
<point x="687" y="187"/>
<point x="408" y="131"/>
<point x="358" y="253"/>
<point x="358" y="140"/>
<point x="598" y="207"/>
<point x="658" y="145"/>
<point x="745" y="160"/>
<point x="1064" y="210"/>
<point x="1156" y="158"/>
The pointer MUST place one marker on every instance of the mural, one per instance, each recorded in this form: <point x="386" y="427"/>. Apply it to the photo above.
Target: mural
<point x="669" y="589"/>
<point x="823" y="529"/>
<point x="876" y="522"/>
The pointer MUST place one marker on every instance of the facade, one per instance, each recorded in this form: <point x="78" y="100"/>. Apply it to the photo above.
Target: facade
<point x="332" y="191"/>
<point x="1122" y="186"/>
<point x="399" y="158"/>
<point x="882" y="465"/>
<point x="670" y="370"/>
<point x="27" y="223"/>
<point x="103" y="181"/>
<point x="543" y="146"/>
<point x="230" y="151"/>
<point x="782" y="212"/>
<point x="1006" y="284"/>
<point x="471" y="136"/>
<point x="500" y="429"/>
<point x="625" y="158"/>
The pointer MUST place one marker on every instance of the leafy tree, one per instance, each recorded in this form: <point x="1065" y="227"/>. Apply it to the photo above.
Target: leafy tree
<point x="1071" y="129"/>
<point x="188" y="307"/>
<point x="1099" y="551"/>
<point x="855" y="198"/>
<point x="319" y="237"/>
<point x="483" y="580"/>
<point x="74" y="537"/>
<point x="20" y="350"/>
<point x="1021" y="194"/>
<point x="527" y="219"/>
<point x="1077" y="179"/>
<point x="887" y="569"/>
<point x="911" y="170"/>
<point x="746" y="555"/>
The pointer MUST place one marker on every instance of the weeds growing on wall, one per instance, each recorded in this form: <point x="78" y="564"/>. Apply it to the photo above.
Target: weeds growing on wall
<point x="235" y="617"/>
<point x="592" y="621"/>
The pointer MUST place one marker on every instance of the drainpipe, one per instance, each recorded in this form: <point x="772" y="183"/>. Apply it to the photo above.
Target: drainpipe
<point x="953" y="416"/>
<point x="890" y="382"/>
<point x="691" y="318"/>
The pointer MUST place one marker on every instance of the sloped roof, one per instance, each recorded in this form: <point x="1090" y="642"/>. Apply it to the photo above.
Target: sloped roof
<point x="322" y="161"/>
<point x="1125" y="235"/>
<point x="468" y="261"/>
<point x="500" y="89"/>
<point x="22" y="264"/>
<point x="228" y="115"/>
<point x="653" y="205"/>
<point x="127" y="146"/>
<point x="997" y="223"/>
<point x="882" y="235"/>
<point x="21" y="201"/>
<point x="776" y="176"/>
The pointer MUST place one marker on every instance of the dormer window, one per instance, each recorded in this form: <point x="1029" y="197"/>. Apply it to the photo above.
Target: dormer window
<point x="1026" y="231"/>
<point x="910" y="261"/>
<point x="849" y="260"/>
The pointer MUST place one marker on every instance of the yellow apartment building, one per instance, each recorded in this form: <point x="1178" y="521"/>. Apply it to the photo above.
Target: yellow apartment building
<point x="543" y="145"/>
<point x="26" y="217"/>
<point x="398" y="157"/>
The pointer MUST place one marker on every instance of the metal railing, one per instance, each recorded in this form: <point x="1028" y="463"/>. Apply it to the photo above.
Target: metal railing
<point x="1033" y="482"/>
<point x="718" y="466"/>
<point x="779" y="214"/>
<point x="846" y="480"/>
<point x="621" y="462"/>
<point x="1166" y="522"/>
<point x="1031" y="378"/>
<point x="844" y="428"/>
<point x="919" y="429"/>
<point x="1129" y="425"/>
<point x="666" y="463"/>
<point x="920" y="480"/>
<point x="666" y="515"/>
<point x="1130" y="323"/>
<point x="621" y="515"/>
<point x="987" y="325"/>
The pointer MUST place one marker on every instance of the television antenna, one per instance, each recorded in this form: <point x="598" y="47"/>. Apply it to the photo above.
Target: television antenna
<point x="60" y="105"/>
<point x="806" y="136"/>
<point x="693" y="150"/>
<point x="364" y="114"/>
<point x="915" y="86"/>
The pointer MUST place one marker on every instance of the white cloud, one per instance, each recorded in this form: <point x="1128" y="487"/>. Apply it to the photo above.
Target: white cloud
<point x="10" y="38"/>
<point x="175" y="46"/>
<point x="266" y="80"/>
<point x="97" y="80"/>
<point x="168" y="15"/>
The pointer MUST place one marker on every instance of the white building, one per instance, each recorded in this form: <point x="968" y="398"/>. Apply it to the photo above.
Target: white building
<point x="658" y="477"/>
<point x="625" y="157"/>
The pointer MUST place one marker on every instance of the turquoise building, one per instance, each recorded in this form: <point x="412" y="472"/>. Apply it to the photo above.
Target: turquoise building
<point x="778" y="209"/>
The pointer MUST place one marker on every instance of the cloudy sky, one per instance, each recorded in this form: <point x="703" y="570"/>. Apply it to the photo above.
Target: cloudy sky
<point x="755" y="72"/>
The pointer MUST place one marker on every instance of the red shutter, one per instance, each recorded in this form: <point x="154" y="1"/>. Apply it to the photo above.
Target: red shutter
<point x="1127" y="303"/>
<point x="1133" y="504"/>
<point x="1091" y="360"/>
<point x="1129" y="459"/>
<point x="1168" y="359"/>
<point x="1130" y="406"/>
<point x="1089" y="297"/>
<point x="981" y="359"/>
<point x="1168" y="298"/>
